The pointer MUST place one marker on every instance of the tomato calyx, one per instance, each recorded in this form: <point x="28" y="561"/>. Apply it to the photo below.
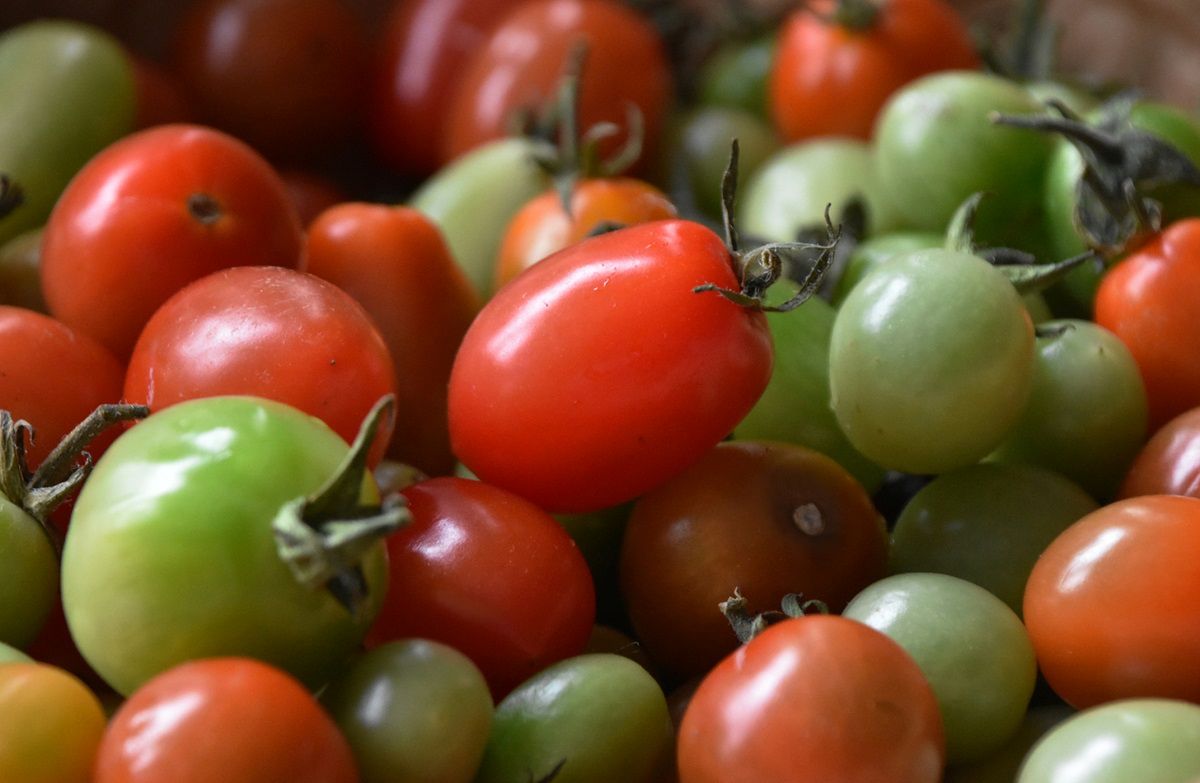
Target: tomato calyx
<point x="204" y="208"/>
<point x="747" y="625"/>
<point x="63" y="470"/>
<point x="11" y="196"/>
<point x="1031" y="49"/>
<point x="324" y="537"/>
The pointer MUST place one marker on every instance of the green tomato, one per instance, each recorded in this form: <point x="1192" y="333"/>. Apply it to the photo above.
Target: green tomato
<point x="12" y="655"/>
<point x="600" y="716"/>
<point x="794" y="408"/>
<point x="735" y="75"/>
<point x="972" y="648"/>
<point x="473" y="199"/>
<point x="987" y="524"/>
<point x="1002" y="765"/>
<point x="930" y="362"/>
<point x="171" y="553"/>
<point x="29" y="579"/>
<point x="1086" y="416"/>
<point x="790" y="190"/>
<point x="936" y="146"/>
<point x="598" y="536"/>
<point x="20" y="271"/>
<point x="1120" y="742"/>
<point x="703" y="139"/>
<point x="413" y="710"/>
<point x="67" y="91"/>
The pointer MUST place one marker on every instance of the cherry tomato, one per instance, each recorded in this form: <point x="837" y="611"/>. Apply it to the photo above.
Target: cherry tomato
<point x="1113" y="605"/>
<point x="311" y="193"/>
<point x="1002" y="766"/>
<point x="50" y="725"/>
<point x="20" y="271"/>
<point x="159" y="94"/>
<point x="1169" y="463"/>
<point x="235" y="720"/>
<point x="152" y="213"/>
<point x="837" y="61"/>
<point x="600" y="373"/>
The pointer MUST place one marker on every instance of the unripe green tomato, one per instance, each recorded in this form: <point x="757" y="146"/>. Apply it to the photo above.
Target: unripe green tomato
<point x="1002" y="765"/>
<point x="704" y="136"/>
<point x="29" y="579"/>
<point x="10" y="654"/>
<point x="735" y="75"/>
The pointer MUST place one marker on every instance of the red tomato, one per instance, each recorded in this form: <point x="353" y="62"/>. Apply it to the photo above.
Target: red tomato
<point x="160" y="98"/>
<point x="426" y="44"/>
<point x="269" y="332"/>
<point x="832" y="72"/>
<point x="286" y="76"/>
<point x="1169" y="463"/>
<point x="311" y="194"/>
<point x="150" y="214"/>
<point x="394" y="261"/>
<point x="544" y="226"/>
<point x="814" y="700"/>
<point x="1113" y="604"/>
<point x="1148" y="300"/>
<point x="489" y="574"/>
<point x="520" y="65"/>
<point x="599" y="373"/>
<point x="234" y="720"/>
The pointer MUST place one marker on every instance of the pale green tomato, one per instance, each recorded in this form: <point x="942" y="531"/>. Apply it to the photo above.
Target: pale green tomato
<point x="29" y="578"/>
<point x="12" y="655"/>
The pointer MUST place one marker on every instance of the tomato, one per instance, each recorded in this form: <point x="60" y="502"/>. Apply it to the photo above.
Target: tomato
<point x="159" y="95"/>
<point x="970" y="645"/>
<point x="178" y="538"/>
<point x="810" y="699"/>
<point x="519" y="64"/>
<point x="1002" y="766"/>
<point x="152" y="213"/>
<point x="425" y="47"/>
<point x="50" y="725"/>
<point x="270" y="332"/>
<point x="311" y="193"/>
<point x="29" y="584"/>
<point x="597" y="717"/>
<point x="286" y="76"/>
<point x="837" y="62"/>
<point x="1168" y="463"/>
<point x="67" y="92"/>
<point x="1113" y="605"/>
<point x="600" y="373"/>
<point x="230" y="719"/>
<point x="735" y="75"/>
<point x="413" y="710"/>
<point x="766" y="518"/>
<point x="12" y="655"/>
<point x="489" y="574"/>
<point x="20" y="271"/>
<point x="1132" y="739"/>
<point x="1146" y="300"/>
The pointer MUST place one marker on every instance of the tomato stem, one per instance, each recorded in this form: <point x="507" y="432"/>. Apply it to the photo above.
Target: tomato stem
<point x="204" y="208"/>
<point x="11" y="196"/>
<point x="747" y="625"/>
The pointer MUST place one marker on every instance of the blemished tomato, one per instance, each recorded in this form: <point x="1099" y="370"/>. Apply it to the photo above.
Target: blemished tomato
<point x="50" y="725"/>
<point x="395" y="263"/>
<point x="1148" y="301"/>
<point x="1113" y="604"/>
<point x="271" y="332"/>
<point x="599" y="373"/>
<point x="489" y="574"/>
<point x="1169" y="463"/>
<point x="150" y="214"/>
<point x="236" y="720"/>
<point x="286" y="76"/>
<point x="813" y="700"/>
<point x="837" y="61"/>
<point x="519" y="66"/>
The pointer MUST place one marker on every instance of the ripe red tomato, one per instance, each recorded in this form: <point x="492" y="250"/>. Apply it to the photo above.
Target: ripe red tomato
<point x="150" y="214"/>
<point x="814" y="700"/>
<point x="521" y="63"/>
<point x="1113" y="604"/>
<point x="394" y="261"/>
<point x="235" y="720"/>
<point x="1169" y="463"/>
<point x="489" y="574"/>
<point x="838" y="61"/>
<point x="1148" y="300"/>
<point x="599" y="373"/>
<point x="311" y="193"/>
<point x="268" y="332"/>
<point x="159" y="95"/>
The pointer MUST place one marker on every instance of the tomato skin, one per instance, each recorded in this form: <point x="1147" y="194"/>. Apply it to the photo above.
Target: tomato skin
<point x="828" y="79"/>
<point x="1169" y="463"/>
<point x="848" y="696"/>
<point x="122" y="238"/>
<point x="1148" y="300"/>
<point x="1112" y="604"/>
<point x="599" y="373"/>
<point x="311" y="193"/>
<point x="395" y="263"/>
<point x="489" y="574"/>
<point x="235" y="720"/>
<point x="50" y="725"/>
<point x="29" y="582"/>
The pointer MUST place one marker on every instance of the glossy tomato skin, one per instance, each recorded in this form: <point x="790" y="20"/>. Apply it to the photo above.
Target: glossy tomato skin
<point x="599" y="373"/>
<point x="152" y="213"/>
<point x="396" y="264"/>
<point x="813" y="699"/>
<point x="831" y="79"/>
<point x="50" y="725"/>
<point x="1169" y="463"/>
<point x="236" y="720"/>
<point x="520" y="65"/>
<point x="1148" y="301"/>
<point x="1113" y="605"/>
<point x="489" y="574"/>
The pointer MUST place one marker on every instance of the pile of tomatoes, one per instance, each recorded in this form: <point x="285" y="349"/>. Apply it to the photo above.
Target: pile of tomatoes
<point x="464" y="403"/>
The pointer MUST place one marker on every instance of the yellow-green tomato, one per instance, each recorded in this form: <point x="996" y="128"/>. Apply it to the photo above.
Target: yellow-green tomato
<point x="972" y="648"/>
<point x="50" y="725"/>
<point x="930" y="361"/>
<point x="9" y="654"/>
<point x="29" y="578"/>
